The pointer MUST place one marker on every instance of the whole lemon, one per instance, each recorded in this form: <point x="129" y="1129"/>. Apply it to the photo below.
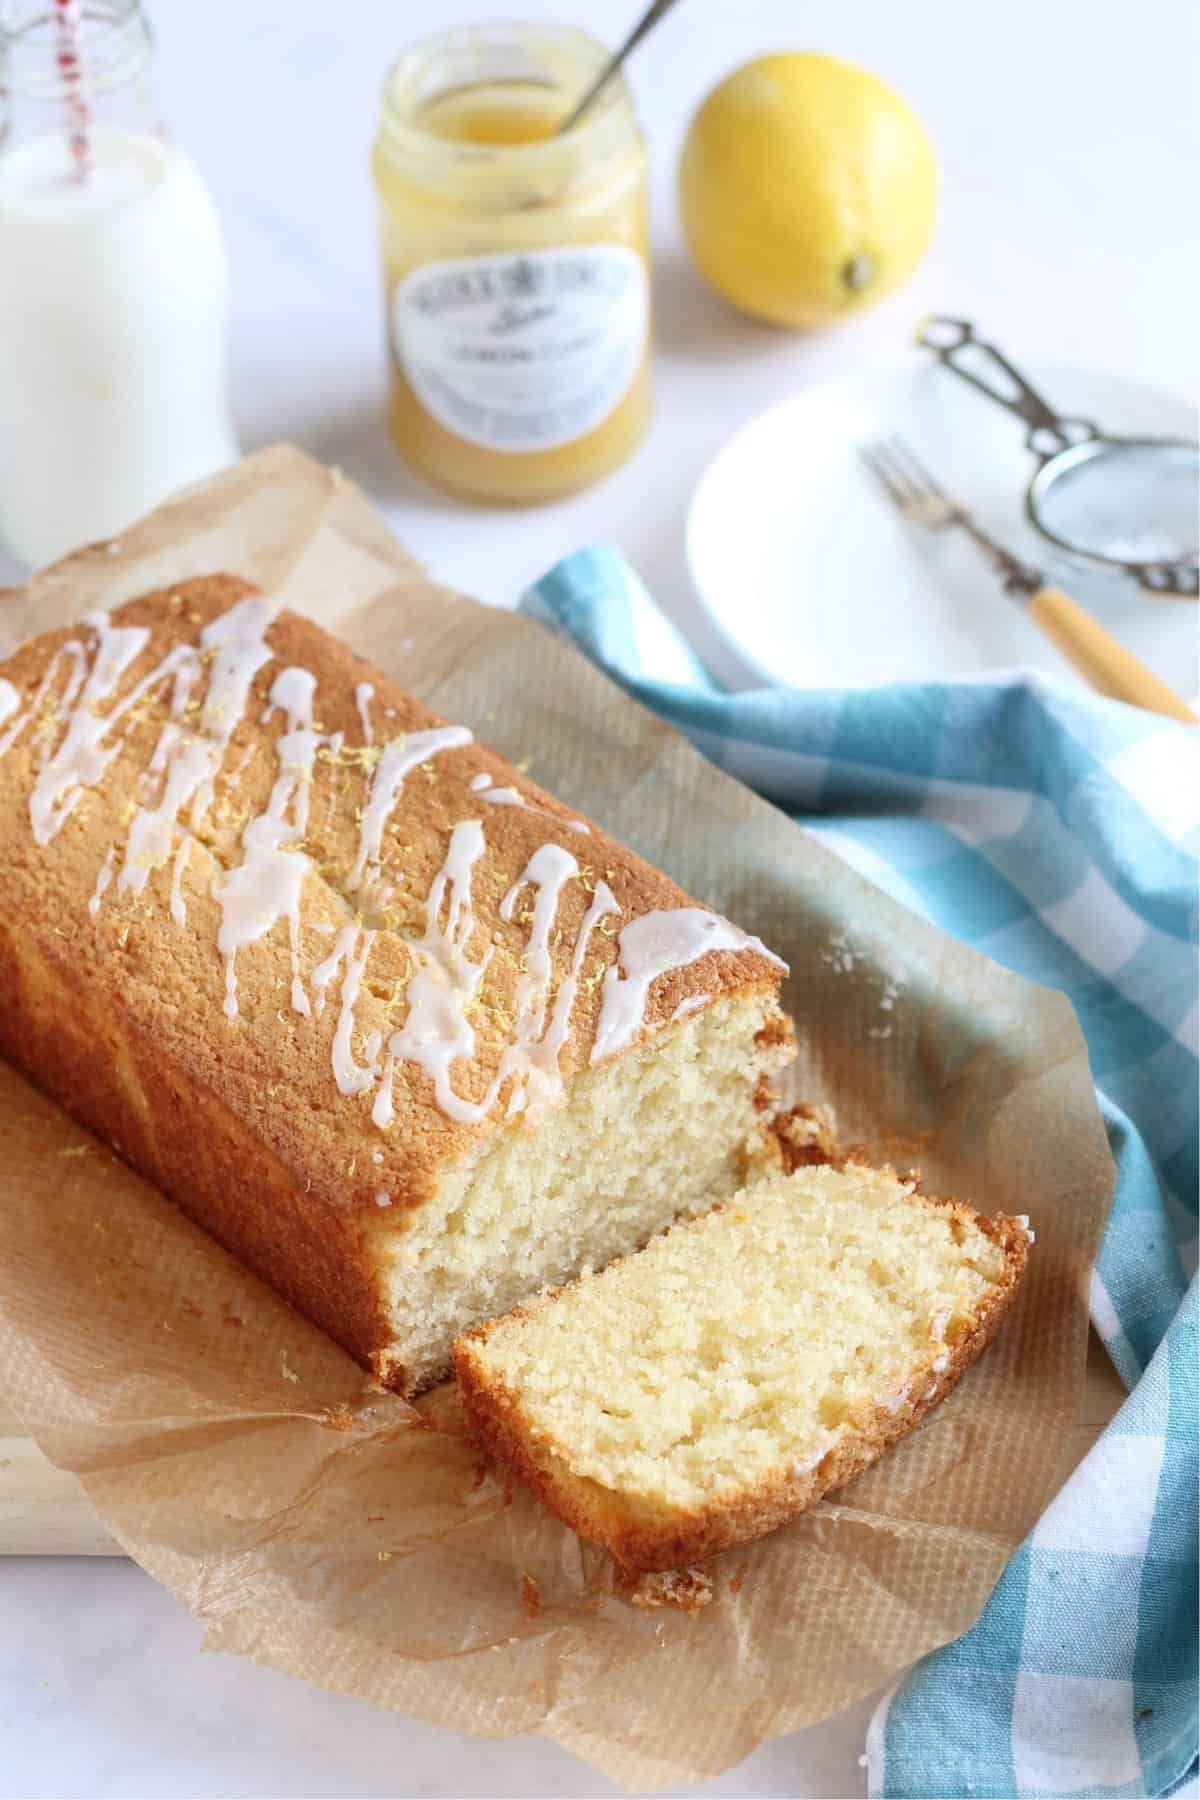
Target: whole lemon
<point x="807" y="187"/>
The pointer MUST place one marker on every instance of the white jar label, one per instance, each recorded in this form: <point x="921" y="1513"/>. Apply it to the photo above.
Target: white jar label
<point x="523" y="351"/>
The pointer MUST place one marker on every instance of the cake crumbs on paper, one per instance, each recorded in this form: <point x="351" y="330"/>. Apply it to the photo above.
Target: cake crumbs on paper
<point x="384" y="1556"/>
<point x="689" y="1590"/>
<point x="838" y="954"/>
<point x="531" y="1596"/>
<point x="738" y="1581"/>
<point x="339" y="1417"/>
<point x="286" y="1369"/>
<point x="75" y="1150"/>
<point x="901" y="1144"/>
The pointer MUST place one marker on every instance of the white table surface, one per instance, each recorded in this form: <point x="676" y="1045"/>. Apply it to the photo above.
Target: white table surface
<point x="1065" y="132"/>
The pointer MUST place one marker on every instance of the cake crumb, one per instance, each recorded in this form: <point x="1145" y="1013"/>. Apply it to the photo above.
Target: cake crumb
<point x="738" y="1581"/>
<point x="531" y="1595"/>
<point x="806" y="1135"/>
<point x="900" y="1144"/>
<point x="839" y="955"/>
<point x="690" y="1590"/>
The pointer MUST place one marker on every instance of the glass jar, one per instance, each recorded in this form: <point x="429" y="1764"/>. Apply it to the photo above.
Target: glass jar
<point x="515" y="263"/>
<point x="113" y="385"/>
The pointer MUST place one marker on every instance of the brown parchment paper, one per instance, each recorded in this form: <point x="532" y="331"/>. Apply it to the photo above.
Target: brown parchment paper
<point x="349" y="1539"/>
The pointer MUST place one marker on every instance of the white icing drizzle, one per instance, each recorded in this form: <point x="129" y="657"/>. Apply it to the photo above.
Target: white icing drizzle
<point x="481" y="784"/>
<point x="1023" y="1221"/>
<point x="266" y="885"/>
<point x="293" y="691"/>
<point x="191" y="759"/>
<point x="187" y="761"/>
<point x="894" y="1402"/>
<point x="364" y="693"/>
<point x="382" y="1199"/>
<point x="531" y="1060"/>
<point x="178" y="906"/>
<point x="351" y="1076"/>
<point x="377" y="1156"/>
<point x="691" y="1004"/>
<point x="152" y="828"/>
<point x="103" y="876"/>
<point x="82" y="757"/>
<point x="236" y="639"/>
<point x="10" y="699"/>
<point x="649" y="947"/>
<point x="399" y="758"/>
<point x="437" y="1031"/>
<point x="73" y="649"/>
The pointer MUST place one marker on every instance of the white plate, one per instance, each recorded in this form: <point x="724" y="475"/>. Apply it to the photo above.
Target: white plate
<point x="815" y="580"/>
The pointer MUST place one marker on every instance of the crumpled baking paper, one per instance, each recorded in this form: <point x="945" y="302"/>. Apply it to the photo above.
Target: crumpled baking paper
<point x="360" y="1543"/>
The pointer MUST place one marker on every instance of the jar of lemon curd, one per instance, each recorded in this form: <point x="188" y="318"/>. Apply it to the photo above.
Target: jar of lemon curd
<point x="515" y="263"/>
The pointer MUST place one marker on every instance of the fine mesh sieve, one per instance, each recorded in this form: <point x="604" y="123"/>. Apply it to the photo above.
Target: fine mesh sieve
<point x="1127" y="504"/>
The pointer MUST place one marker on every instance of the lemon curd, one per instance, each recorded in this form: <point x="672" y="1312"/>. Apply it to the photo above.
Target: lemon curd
<point x="515" y="264"/>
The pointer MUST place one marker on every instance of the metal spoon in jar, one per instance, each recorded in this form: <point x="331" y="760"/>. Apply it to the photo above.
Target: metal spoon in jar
<point x="646" y="23"/>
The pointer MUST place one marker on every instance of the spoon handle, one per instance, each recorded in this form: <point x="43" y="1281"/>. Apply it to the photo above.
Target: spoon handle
<point x="647" y="22"/>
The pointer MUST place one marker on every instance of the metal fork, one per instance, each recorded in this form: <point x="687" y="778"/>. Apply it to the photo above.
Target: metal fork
<point x="1107" y="665"/>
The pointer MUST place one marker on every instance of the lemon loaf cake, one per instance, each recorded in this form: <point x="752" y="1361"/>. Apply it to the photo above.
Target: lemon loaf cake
<point x="403" y="1032"/>
<point x="705" y="1390"/>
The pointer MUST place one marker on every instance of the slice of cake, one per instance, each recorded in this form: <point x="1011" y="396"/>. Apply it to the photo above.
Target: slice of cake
<point x="403" y="1031"/>
<point x="707" y="1389"/>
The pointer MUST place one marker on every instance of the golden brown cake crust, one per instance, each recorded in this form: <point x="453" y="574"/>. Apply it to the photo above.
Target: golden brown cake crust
<point x="644" y="1538"/>
<point x="116" y="1009"/>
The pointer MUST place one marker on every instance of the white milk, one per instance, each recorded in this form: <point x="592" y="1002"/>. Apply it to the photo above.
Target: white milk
<point x="112" y="338"/>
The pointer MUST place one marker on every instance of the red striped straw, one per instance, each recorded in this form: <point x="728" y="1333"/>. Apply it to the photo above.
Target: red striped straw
<point x="70" y="63"/>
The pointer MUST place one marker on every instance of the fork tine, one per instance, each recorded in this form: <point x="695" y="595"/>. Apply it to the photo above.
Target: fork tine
<point x="919" y="478"/>
<point x="890" y="474"/>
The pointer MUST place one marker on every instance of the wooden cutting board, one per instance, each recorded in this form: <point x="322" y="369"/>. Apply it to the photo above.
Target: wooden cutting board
<point x="44" y="1511"/>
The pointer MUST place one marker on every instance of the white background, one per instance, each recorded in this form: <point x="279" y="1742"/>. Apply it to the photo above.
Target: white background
<point x="1065" y="128"/>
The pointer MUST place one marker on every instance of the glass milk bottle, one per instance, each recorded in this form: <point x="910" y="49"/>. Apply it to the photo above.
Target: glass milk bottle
<point x="112" y="286"/>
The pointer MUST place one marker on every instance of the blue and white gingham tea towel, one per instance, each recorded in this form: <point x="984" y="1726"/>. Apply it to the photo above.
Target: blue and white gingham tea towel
<point x="1058" y="833"/>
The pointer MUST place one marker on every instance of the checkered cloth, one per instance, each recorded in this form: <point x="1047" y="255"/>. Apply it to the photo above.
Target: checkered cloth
<point x="1058" y="833"/>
